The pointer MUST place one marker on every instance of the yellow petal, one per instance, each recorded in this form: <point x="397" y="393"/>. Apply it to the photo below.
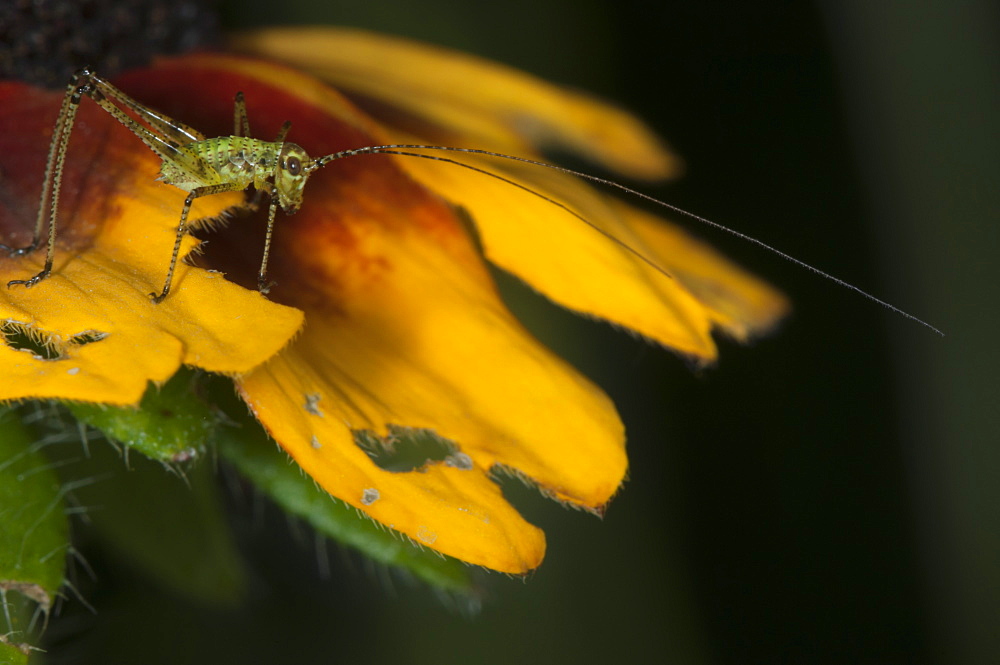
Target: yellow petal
<point x="106" y="338"/>
<point x="454" y="98"/>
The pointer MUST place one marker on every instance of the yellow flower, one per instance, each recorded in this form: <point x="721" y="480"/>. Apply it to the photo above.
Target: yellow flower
<point x="384" y="319"/>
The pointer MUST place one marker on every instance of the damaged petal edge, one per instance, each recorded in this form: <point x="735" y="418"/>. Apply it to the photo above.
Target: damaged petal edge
<point x="44" y="345"/>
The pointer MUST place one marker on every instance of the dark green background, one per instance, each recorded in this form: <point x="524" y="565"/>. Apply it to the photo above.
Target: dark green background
<point x="828" y="495"/>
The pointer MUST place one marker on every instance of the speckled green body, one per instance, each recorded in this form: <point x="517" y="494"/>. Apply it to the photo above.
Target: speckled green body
<point x="233" y="159"/>
<point x="239" y="162"/>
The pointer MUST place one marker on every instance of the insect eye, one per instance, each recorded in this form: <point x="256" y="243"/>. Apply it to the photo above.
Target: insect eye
<point x="293" y="165"/>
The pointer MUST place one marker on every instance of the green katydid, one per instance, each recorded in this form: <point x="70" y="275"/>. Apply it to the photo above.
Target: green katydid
<point x="203" y="166"/>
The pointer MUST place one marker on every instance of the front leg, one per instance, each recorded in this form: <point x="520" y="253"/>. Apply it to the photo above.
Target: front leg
<point x="48" y="207"/>
<point x="262" y="283"/>
<point x="182" y="228"/>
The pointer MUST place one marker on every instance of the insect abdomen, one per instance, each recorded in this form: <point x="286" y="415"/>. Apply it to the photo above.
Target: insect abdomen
<point x="237" y="159"/>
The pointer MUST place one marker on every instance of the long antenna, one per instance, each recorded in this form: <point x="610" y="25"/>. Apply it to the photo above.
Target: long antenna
<point x="398" y="149"/>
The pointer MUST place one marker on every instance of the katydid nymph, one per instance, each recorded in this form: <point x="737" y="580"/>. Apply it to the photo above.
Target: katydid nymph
<point x="279" y="170"/>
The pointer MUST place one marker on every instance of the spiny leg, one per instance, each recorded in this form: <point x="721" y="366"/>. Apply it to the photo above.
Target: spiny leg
<point x="182" y="228"/>
<point x="167" y="138"/>
<point x="262" y="284"/>
<point x="168" y="130"/>
<point x="241" y="124"/>
<point x="51" y="186"/>
<point x="241" y="127"/>
<point x="283" y="132"/>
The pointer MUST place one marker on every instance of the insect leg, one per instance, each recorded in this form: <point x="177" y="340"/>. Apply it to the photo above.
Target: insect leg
<point x="182" y="228"/>
<point x="262" y="284"/>
<point x="49" y="204"/>
<point x="241" y="124"/>
<point x="171" y="130"/>
<point x="169" y="147"/>
<point x="283" y="132"/>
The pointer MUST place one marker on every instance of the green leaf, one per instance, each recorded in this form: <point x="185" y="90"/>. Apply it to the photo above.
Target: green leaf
<point x="172" y="423"/>
<point x="34" y="534"/>
<point x="257" y="457"/>
<point x="167" y="521"/>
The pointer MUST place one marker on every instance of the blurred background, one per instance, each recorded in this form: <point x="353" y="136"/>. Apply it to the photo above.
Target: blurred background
<point x="830" y="494"/>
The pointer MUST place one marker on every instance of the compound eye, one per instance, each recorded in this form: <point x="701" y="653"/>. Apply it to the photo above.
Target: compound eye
<point x="293" y="165"/>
